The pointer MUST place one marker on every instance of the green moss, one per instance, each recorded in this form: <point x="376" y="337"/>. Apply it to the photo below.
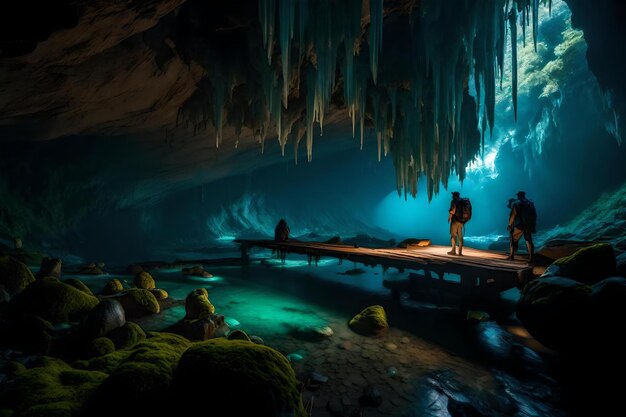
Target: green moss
<point x="238" y="335"/>
<point x="14" y="368"/>
<point x="52" y="300"/>
<point x="144" y="280"/>
<point x="51" y="387"/>
<point x="78" y="284"/>
<point x="14" y="275"/>
<point x="159" y="294"/>
<point x="127" y="335"/>
<point x="113" y="287"/>
<point x="143" y="374"/>
<point x="5" y="412"/>
<point x="197" y="305"/>
<point x="139" y="302"/>
<point x="589" y="264"/>
<point x="371" y="321"/>
<point x="257" y="378"/>
<point x="100" y="347"/>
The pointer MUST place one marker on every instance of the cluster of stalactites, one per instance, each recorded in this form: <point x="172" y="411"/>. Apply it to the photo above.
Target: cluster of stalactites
<point x="427" y="120"/>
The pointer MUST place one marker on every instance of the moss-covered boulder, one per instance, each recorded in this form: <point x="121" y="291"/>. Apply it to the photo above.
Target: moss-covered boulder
<point x="14" y="275"/>
<point x="555" y="311"/>
<point x="78" y="284"/>
<point x="159" y="294"/>
<point x="127" y="335"/>
<point x="144" y="280"/>
<point x="139" y="302"/>
<point x="197" y="305"/>
<point x="50" y="388"/>
<point x="113" y="287"/>
<point x="238" y="335"/>
<point x="372" y="321"/>
<point x="143" y="374"/>
<point x="588" y="265"/>
<point x="256" y="379"/>
<point x="52" y="300"/>
<point x="106" y="316"/>
<point x="100" y="346"/>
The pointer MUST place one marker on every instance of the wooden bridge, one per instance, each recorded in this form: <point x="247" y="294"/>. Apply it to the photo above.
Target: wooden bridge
<point x="480" y="271"/>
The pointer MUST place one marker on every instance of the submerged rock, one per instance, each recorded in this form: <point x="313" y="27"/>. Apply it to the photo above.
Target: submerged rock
<point x="372" y="321"/>
<point x="113" y="287"/>
<point x="144" y="280"/>
<point x="196" y="271"/>
<point x="14" y="275"/>
<point x="138" y="302"/>
<point x="92" y="269"/>
<point x="197" y="305"/>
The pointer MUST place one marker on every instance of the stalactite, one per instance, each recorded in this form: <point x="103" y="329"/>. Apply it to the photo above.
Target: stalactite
<point x="267" y="15"/>
<point x="513" y="27"/>
<point x="376" y="35"/>
<point x="287" y="10"/>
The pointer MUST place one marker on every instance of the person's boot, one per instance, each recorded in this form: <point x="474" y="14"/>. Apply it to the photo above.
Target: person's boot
<point x="452" y="252"/>
<point x="460" y="250"/>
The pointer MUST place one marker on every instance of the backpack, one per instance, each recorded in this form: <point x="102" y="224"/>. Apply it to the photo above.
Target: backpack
<point x="463" y="212"/>
<point x="527" y="215"/>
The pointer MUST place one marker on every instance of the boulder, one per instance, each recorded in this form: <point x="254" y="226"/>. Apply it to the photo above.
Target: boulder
<point x="113" y="287"/>
<point x="134" y="269"/>
<point x="92" y="269"/>
<point x="52" y="300"/>
<point x="201" y="329"/>
<point x="556" y="249"/>
<point x="50" y="267"/>
<point x="372" y="321"/>
<point x="27" y="333"/>
<point x="127" y="335"/>
<point x="14" y="275"/>
<point x="257" y="379"/>
<point x="608" y="311"/>
<point x="554" y="310"/>
<point x="100" y="346"/>
<point x="144" y="281"/>
<point x="78" y="284"/>
<point x="588" y="265"/>
<point x="106" y="316"/>
<point x="197" y="271"/>
<point x="159" y="294"/>
<point x="197" y="305"/>
<point x="138" y="302"/>
<point x="238" y="335"/>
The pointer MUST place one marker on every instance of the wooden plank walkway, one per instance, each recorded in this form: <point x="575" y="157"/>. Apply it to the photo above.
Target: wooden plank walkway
<point x="478" y="269"/>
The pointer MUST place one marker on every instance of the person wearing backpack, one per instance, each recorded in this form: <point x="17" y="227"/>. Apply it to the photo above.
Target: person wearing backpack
<point x="522" y="222"/>
<point x="460" y="213"/>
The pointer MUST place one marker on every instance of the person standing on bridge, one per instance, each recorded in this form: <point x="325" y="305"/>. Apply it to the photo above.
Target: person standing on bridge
<point x="460" y="213"/>
<point x="281" y="232"/>
<point x="522" y="222"/>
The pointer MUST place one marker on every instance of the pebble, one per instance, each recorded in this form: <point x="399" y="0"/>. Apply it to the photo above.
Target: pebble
<point x="391" y="346"/>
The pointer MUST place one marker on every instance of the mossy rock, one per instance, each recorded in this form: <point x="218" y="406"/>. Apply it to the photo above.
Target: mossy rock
<point x="555" y="311"/>
<point x="588" y="265"/>
<point x="50" y="267"/>
<point x="106" y="316"/>
<point x="197" y="305"/>
<point x="52" y="300"/>
<point x="238" y="335"/>
<point x="257" y="378"/>
<point x="372" y="321"/>
<point x="5" y="412"/>
<point x="100" y="347"/>
<point x="78" y="284"/>
<point x="28" y="333"/>
<point x="144" y="280"/>
<point x="142" y="374"/>
<point x="127" y="335"/>
<point x="14" y="275"/>
<point x="14" y="368"/>
<point x="113" y="287"/>
<point x="50" y="388"/>
<point x="139" y="302"/>
<point x="159" y="294"/>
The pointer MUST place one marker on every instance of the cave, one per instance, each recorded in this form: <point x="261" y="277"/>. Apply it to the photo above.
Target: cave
<point x="312" y="208"/>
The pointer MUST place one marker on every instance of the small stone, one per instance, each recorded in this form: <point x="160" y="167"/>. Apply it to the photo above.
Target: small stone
<point x="318" y="378"/>
<point x="257" y="340"/>
<point x="391" y="371"/>
<point x="346" y="344"/>
<point x="405" y="340"/>
<point x="391" y="346"/>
